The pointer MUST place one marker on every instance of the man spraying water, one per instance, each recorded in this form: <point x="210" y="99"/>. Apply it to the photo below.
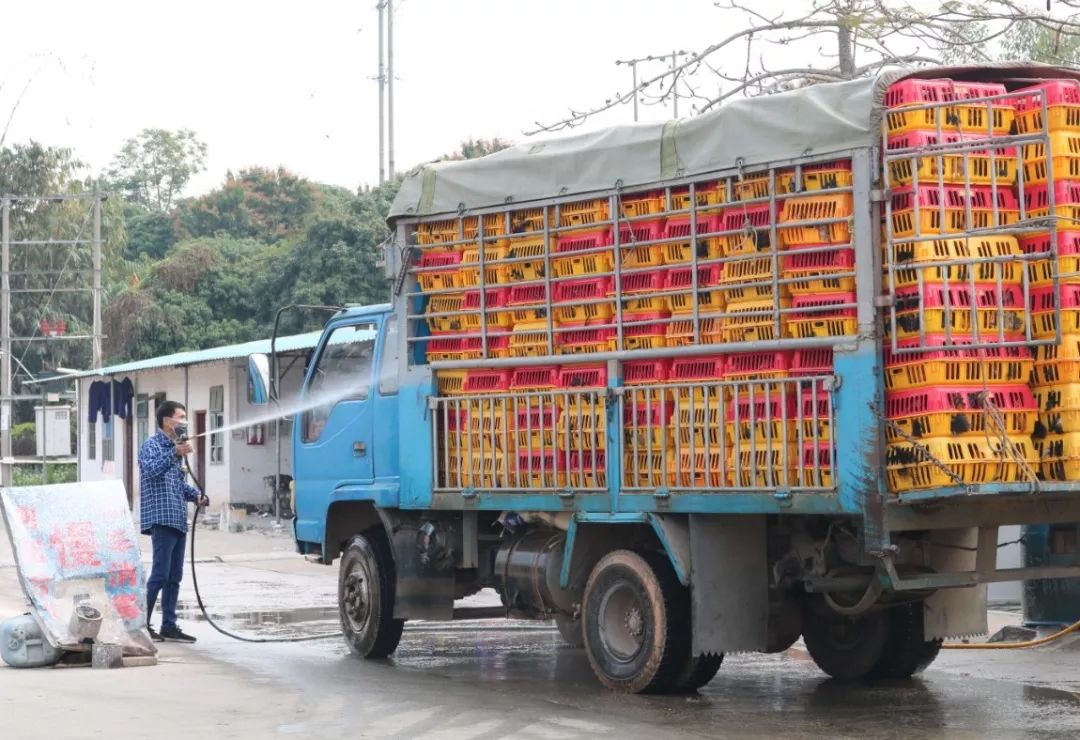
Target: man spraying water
<point x="163" y="497"/>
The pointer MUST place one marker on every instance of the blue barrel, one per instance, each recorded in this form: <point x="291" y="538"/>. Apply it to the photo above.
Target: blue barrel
<point x="1056" y="601"/>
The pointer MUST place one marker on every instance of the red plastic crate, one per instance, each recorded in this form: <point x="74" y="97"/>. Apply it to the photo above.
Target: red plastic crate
<point x="899" y="404"/>
<point x="915" y="92"/>
<point x="534" y="417"/>
<point x="640" y="415"/>
<point x="687" y="369"/>
<point x="816" y="455"/>
<point x="781" y="404"/>
<point x="584" y="461"/>
<point x="679" y="278"/>
<point x="839" y="260"/>
<point x="643" y="282"/>
<point x="641" y="231"/>
<point x="537" y="378"/>
<point x="1066" y="192"/>
<point x="1068" y="243"/>
<point x="487" y="381"/>
<point x="532" y="461"/>
<point x="960" y="296"/>
<point x="811" y="362"/>
<point x="1056" y="92"/>
<point x="757" y="365"/>
<point x="430" y="258"/>
<point x="468" y="347"/>
<point x="953" y="196"/>
<point x="815" y="404"/>
<point x="568" y="291"/>
<point x="637" y="324"/>
<point x="823" y="306"/>
<point x="737" y="218"/>
<point x="579" y="241"/>
<point x="1042" y="298"/>
<point x="596" y="335"/>
<point x="956" y="341"/>
<point x="583" y="376"/>
<point x="527" y="295"/>
<point x="646" y="372"/>
<point x="923" y="138"/>
<point x="679" y="228"/>
<point x="493" y="298"/>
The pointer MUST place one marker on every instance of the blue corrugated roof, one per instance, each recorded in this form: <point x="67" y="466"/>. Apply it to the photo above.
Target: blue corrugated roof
<point x="290" y="343"/>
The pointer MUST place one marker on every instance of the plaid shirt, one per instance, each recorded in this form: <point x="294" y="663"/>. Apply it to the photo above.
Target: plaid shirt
<point x="163" y="487"/>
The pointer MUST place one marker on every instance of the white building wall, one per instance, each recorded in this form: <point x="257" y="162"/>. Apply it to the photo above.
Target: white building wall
<point x="239" y="478"/>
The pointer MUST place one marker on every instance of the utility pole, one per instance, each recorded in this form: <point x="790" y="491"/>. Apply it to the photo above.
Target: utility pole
<point x="674" y="82"/>
<point x="381" y="6"/>
<point x="6" y="408"/>
<point x="390" y="85"/>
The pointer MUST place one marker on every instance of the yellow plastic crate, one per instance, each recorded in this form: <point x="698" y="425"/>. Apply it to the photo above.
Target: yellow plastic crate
<point x="970" y="118"/>
<point x="1041" y="272"/>
<point x="529" y="339"/>
<point x="487" y="470"/>
<point x="960" y="423"/>
<point x="631" y="206"/>
<point x="445" y="303"/>
<point x="682" y="252"/>
<point x="710" y="300"/>
<point x="645" y="469"/>
<point x="1059" y="118"/>
<point x="746" y="321"/>
<point x="971" y="460"/>
<point x="821" y="327"/>
<point x="521" y="247"/>
<point x="1044" y="324"/>
<point x="698" y="469"/>
<point x="907" y="372"/>
<point x="1060" y="420"/>
<point x="450" y="382"/>
<point x="705" y="197"/>
<point x="1059" y="456"/>
<point x="701" y="438"/>
<point x="763" y="430"/>
<point x="584" y="213"/>
<point x="760" y="465"/>
<point x="493" y="274"/>
<point x="1063" y="396"/>
<point x="816" y="208"/>
<point x="932" y="321"/>
<point x="978" y="170"/>
<point x="814" y="178"/>
<point x="930" y="223"/>
<point x="750" y="188"/>
<point x="446" y="230"/>
<point x="680" y="332"/>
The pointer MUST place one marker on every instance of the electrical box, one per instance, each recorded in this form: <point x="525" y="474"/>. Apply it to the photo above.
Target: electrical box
<point x="53" y="430"/>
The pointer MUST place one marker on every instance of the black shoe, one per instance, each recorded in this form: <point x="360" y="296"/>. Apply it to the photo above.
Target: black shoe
<point x="154" y="634"/>
<point x="173" y="634"/>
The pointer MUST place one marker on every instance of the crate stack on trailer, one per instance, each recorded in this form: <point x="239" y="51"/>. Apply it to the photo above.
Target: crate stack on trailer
<point x="973" y="365"/>
<point x="1053" y="189"/>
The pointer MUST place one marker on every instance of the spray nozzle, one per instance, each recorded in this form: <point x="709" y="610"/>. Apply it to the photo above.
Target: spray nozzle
<point x="180" y="430"/>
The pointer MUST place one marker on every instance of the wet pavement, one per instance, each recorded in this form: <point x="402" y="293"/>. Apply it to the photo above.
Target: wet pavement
<point x="499" y="679"/>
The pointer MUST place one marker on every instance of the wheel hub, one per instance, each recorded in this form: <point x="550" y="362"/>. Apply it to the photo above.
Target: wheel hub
<point x="622" y="623"/>
<point x="356" y="599"/>
<point x="635" y="622"/>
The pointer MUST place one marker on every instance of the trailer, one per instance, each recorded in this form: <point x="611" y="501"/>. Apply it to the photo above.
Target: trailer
<point x="778" y="371"/>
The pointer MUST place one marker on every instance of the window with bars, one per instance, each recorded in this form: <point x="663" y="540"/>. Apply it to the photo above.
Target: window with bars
<point x="107" y="441"/>
<point x="142" y="417"/>
<point x="217" y="421"/>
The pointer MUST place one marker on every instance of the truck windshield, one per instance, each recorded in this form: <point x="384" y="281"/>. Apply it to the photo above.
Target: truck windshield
<point x="342" y="373"/>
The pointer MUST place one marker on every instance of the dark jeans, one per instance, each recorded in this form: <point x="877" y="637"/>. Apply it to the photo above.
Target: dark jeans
<point x="166" y="574"/>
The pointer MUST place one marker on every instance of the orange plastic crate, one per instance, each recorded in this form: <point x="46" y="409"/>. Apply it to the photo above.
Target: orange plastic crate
<point x="816" y="208"/>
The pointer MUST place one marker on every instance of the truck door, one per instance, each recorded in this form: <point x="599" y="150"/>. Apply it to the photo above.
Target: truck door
<point x="333" y="438"/>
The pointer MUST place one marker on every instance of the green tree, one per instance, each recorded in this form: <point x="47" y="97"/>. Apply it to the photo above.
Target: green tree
<point x="258" y="203"/>
<point x="475" y="148"/>
<point x="153" y="168"/>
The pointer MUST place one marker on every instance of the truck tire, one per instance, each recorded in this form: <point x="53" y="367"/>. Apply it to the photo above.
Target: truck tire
<point x="846" y="648"/>
<point x="699" y="671"/>
<point x="907" y="651"/>
<point x="366" y="584"/>
<point x="570" y="630"/>
<point x="636" y="623"/>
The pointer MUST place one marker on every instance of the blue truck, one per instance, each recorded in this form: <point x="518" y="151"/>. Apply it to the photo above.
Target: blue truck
<point x="712" y="385"/>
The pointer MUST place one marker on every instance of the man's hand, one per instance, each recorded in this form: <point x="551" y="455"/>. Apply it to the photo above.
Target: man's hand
<point x="202" y="501"/>
<point x="184" y="448"/>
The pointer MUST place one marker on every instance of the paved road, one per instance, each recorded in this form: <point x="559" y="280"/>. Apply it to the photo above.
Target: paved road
<point x="496" y="680"/>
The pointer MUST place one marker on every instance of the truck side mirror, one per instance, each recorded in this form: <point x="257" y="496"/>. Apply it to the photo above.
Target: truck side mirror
<point x="258" y="387"/>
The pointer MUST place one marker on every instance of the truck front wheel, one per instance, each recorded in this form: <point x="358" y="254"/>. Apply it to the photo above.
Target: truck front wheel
<point x="636" y="623"/>
<point x="366" y="596"/>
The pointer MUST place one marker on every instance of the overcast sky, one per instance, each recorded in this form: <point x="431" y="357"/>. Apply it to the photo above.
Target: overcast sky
<point x="276" y="83"/>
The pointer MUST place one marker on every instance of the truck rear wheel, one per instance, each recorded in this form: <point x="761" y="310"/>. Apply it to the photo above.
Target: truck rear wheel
<point x="570" y="630"/>
<point x="699" y="671"/>
<point x="847" y="648"/>
<point x="366" y="584"/>
<point x="906" y="651"/>
<point x="636" y="623"/>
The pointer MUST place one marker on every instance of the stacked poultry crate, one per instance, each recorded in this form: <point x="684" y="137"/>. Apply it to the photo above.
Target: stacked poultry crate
<point x="958" y="404"/>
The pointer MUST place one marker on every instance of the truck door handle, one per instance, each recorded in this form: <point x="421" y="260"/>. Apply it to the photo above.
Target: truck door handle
<point x="359" y="449"/>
